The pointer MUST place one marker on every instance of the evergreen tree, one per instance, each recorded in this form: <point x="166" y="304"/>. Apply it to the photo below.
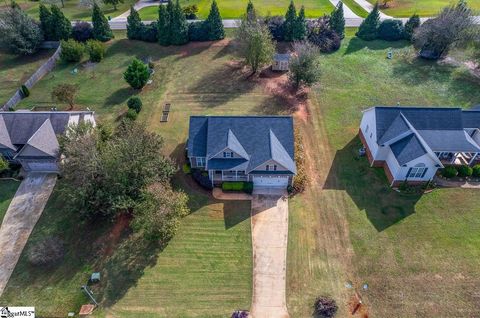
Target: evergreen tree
<point x="251" y="13"/>
<point x="45" y="25"/>
<point x="368" y="30"/>
<point x="290" y="22"/>
<point x="163" y="25"/>
<point x="134" y="24"/>
<point x="213" y="24"/>
<point x="101" y="28"/>
<point x="410" y="26"/>
<point x="337" y="20"/>
<point x="61" y="28"/>
<point x="300" y="30"/>
<point x="137" y="74"/>
<point x="179" y="26"/>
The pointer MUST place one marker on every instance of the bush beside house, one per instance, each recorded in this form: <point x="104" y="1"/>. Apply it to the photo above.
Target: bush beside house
<point x="238" y="186"/>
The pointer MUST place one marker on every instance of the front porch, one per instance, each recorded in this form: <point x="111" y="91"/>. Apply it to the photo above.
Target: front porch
<point x="228" y="175"/>
<point x="458" y="158"/>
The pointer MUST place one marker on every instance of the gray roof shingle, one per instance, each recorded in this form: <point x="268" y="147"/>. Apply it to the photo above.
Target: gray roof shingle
<point x="407" y="149"/>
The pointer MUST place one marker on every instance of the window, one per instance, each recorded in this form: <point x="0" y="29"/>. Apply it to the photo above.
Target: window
<point x="228" y="155"/>
<point x="366" y="129"/>
<point x="267" y="167"/>
<point x="417" y="172"/>
<point x="200" y="162"/>
<point x="274" y="167"/>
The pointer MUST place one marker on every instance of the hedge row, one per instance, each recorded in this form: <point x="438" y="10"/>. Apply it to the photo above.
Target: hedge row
<point x="462" y="171"/>
<point x="246" y="187"/>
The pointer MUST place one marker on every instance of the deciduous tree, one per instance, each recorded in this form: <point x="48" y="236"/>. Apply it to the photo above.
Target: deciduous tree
<point x="19" y="33"/>
<point x="304" y="64"/>
<point x="65" y="93"/>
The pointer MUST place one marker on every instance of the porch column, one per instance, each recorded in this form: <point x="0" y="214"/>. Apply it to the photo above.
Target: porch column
<point x="236" y="175"/>
<point x="222" y="175"/>
<point x="473" y="158"/>
<point x="454" y="158"/>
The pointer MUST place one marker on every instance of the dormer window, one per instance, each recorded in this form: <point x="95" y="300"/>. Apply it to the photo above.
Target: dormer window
<point x="227" y="154"/>
<point x="267" y="167"/>
<point x="274" y="167"/>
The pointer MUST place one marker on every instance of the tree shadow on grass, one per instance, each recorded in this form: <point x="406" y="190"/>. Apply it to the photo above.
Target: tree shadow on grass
<point x="120" y="96"/>
<point x="369" y="188"/>
<point x="356" y="44"/>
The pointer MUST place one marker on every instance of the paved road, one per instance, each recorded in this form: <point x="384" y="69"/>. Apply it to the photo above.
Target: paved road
<point x="269" y="240"/>
<point x="23" y="213"/>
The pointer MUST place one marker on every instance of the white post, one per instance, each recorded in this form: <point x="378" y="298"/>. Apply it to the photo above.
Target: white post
<point x="473" y="158"/>
<point x="222" y="175"/>
<point x="236" y="175"/>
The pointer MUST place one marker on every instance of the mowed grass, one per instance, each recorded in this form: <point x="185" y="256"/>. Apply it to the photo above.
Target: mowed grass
<point x="231" y="9"/>
<point x="15" y="70"/>
<point x="418" y="254"/>
<point x="425" y="8"/>
<point x="7" y="191"/>
<point x="73" y="10"/>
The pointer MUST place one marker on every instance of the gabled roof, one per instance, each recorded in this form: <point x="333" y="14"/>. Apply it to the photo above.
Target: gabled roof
<point x="282" y="57"/>
<point x="42" y="143"/>
<point x="407" y="149"/>
<point x="5" y="141"/>
<point x="248" y="136"/>
<point x="396" y="128"/>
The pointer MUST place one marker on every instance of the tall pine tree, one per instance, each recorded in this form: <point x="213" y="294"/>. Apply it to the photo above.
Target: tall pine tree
<point x="134" y="24"/>
<point x="164" y="25"/>
<point x="337" y="20"/>
<point x="300" y="30"/>
<point x="179" y="26"/>
<point x="368" y="30"/>
<point x="101" y="28"/>
<point x="410" y="26"/>
<point x="213" y="24"/>
<point x="60" y="26"/>
<point x="45" y="24"/>
<point x="251" y="13"/>
<point x="290" y="22"/>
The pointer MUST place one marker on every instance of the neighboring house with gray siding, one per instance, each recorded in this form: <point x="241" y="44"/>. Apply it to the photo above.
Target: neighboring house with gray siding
<point x="412" y="143"/>
<point x="259" y="149"/>
<point x="30" y="138"/>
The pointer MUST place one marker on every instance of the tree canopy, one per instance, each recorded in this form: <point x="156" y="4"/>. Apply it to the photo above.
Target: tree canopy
<point x="101" y="28"/>
<point x="368" y="29"/>
<point x="337" y="20"/>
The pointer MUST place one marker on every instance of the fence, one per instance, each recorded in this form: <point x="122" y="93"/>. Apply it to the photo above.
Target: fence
<point x="41" y="72"/>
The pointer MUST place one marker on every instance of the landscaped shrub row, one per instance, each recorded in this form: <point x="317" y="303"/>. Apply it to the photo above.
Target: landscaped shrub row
<point x="246" y="187"/>
<point x="300" y="180"/>
<point x="202" y="178"/>
<point x="462" y="171"/>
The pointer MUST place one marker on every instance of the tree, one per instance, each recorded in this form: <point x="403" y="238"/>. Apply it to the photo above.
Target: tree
<point x="323" y="36"/>
<point x="255" y="43"/>
<point x="3" y="164"/>
<point x="213" y="24"/>
<point x="436" y="36"/>
<point x="134" y="25"/>
<point x="45" y="21"/>
<point x="108" y="176"/>
<point x="385" y="3"/>
<point x="101" y="28"/>
<point x="325" y="307"/>
<point x="157" y="215"/>
<point x="179" y="26"/>
<point x="304" y="64"/>
<point x="391" y="30"/>
<point x="137" y="74"/>
<point x="275" y="25"/>
<point x="114" y="3"/>
<point x="60" y="27"/>
<point x="96" y="50"/>
<point x="82" y="31"/>
<point x="368" y="29"/>
<point x="135" y="103"/>
<point x="65" y="93"/>
<point x="19" y="33"/>
<point x="300" y="30"/>
<point x="72" y="51"/>
<point x="190" y="11"/>
<point x="412" y="24"/>
<point x="251" y="13"/>
<point x="290" y="22"/>
<point x="337" y="20"/>
<point x="164" y="25"/>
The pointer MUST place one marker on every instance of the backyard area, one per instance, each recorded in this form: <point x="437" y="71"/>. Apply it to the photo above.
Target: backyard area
<point x="425" y="8"/>
<point x="7" y="191"/>
<point x="230" y="9"/>
<point x="349" y="227"/>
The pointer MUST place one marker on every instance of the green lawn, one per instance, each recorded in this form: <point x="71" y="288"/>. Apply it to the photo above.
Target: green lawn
<point x="73" y="10"/>
<point x="230" y="9"/>
<point x="356" y="8"/>
<point x="425" y="8"/>
<point x="15" y="70"/>
<point x="414" y="252"/>
<point x="7" y="191"/>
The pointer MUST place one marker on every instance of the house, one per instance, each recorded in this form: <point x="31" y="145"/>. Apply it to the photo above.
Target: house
<point x="281" y="62"/>
<point x="30" y="138"/>
<point x="259" y="149"/>
<point x="412" y="143"/>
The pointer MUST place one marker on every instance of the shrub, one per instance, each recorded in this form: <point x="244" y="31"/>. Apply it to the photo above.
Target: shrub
<point x="135" y="103"/>
<point x="368" y="29"/>
<point x="82" y="31"/>
<point x="391" y="30"/>
<point x="325" y="307"/>
<point x="137" y="74"/>
<point x="131" y="114"/>
<point x="410" y="26"/>
<point x="449" y="172"/>
<point x="148" y="33"/>
<point x="190" y="11"/>
<point x="465" y="171"/>
<point x="24" y="91"/>
<point x="300" y="180"/>
<point x="72" y="51"/>
<point x="275" y="25"/>
<point x="323" y="36"/>
<point x="197" y="31"/>
<point x="3" y="164"/>
<point x="186" y="168"/>
<point x="96" y="50"/>
<point x="238" y="186"/>
<point x="202" y="179"/>
<point x="476" y="170"/>
<point x="48" y="252"/>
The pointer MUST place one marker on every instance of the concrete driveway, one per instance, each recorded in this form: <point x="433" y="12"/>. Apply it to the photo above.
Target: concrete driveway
<point x="23" y="213"/>
<point x="269" y="239"/>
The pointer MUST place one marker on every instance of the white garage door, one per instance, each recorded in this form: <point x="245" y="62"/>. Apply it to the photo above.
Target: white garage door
<point x="273" y="181"/>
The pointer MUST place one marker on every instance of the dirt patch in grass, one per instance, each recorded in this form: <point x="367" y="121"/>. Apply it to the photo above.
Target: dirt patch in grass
<point x="108" y="242"/>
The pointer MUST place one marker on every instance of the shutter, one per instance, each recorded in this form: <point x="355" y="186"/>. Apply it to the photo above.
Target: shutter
<point x="408" y="173"/>
<point x="424" y="172"/>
